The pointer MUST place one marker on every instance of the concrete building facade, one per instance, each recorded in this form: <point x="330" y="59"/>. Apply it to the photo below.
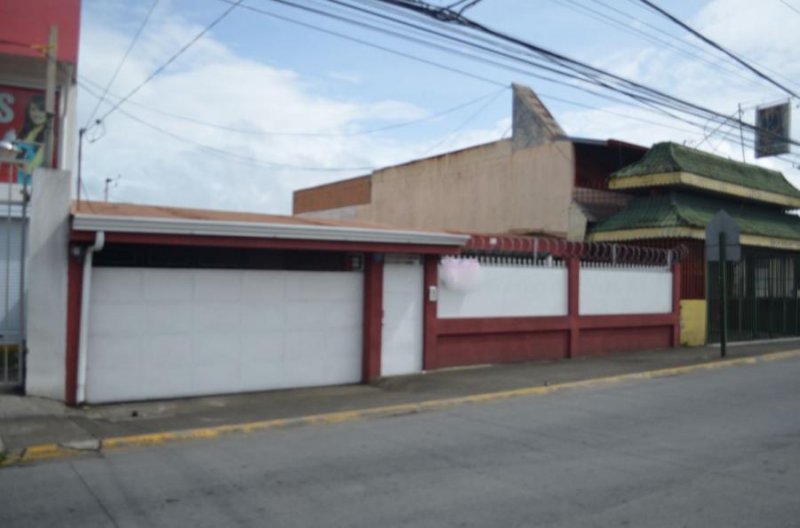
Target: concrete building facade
<point x="539" y="181"/>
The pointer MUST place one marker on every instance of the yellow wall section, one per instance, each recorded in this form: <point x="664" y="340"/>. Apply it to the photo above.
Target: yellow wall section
<point x="693" y="322"/>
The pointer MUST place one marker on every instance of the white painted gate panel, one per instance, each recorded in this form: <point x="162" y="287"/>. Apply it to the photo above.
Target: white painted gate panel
<point x="401" y="346"/>
<point x="162" y="333"/>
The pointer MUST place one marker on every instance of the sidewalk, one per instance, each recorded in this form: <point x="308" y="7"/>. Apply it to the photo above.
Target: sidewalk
<point x="27" y="421"/>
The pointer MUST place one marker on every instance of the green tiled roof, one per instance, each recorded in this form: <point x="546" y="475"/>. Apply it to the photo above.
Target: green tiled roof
<point x="672" y="157"/>
<point x="676" y="209"/>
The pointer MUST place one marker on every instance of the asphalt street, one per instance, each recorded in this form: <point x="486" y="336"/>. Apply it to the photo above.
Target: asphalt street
<point x="714" y="448"/>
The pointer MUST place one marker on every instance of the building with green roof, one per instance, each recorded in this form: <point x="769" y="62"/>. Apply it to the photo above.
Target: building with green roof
<point x="676" y="190"/>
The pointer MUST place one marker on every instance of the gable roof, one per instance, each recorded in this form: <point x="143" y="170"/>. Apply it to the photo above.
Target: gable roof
<point x="671" y="158"/>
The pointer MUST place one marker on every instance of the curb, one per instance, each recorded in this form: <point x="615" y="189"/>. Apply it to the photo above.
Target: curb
<point x="55" y="451"/>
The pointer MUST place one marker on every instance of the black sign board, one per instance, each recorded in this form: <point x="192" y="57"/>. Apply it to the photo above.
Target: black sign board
<point x="773" y="129"/>
<point x="723" y="224"/>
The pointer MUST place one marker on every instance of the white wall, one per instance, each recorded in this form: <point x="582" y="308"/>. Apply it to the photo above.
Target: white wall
<point x="47" y="283"/>
<point x="401" y="336"/>
<point x="508" y="291"/>
<point x="161" y="333"/>
<point x="625" y="290"/>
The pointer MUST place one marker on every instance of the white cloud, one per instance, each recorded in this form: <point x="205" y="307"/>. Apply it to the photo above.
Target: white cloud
<point x="213" y="84"/>
<point x="763" y="32"/>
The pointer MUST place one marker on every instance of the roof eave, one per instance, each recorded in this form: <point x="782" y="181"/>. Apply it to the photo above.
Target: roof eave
<point x="696" y="233"/>
<point x="663" y="179"/>
<point x="194" y="227"/>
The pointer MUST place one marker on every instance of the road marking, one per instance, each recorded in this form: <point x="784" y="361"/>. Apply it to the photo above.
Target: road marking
<point x="54" y="451"/>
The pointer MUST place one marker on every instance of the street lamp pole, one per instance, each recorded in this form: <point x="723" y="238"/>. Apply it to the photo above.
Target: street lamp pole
<point x="81" y="132"/>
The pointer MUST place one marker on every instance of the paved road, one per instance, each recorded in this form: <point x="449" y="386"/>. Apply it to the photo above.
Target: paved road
<point x="718" y="448"/>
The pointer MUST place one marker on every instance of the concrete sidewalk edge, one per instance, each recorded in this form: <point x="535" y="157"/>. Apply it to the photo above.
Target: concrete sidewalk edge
<point x="67" y="449"/>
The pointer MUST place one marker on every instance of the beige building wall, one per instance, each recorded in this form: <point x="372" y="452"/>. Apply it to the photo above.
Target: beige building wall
<point x="488" y="188"/>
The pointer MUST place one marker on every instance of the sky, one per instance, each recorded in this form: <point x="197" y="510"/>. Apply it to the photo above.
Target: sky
<point x="270" y="100"/>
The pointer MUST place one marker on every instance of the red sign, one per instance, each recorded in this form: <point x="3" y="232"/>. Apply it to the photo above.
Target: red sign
<point x="25" y="27"/>
<point x="22" y="110"/>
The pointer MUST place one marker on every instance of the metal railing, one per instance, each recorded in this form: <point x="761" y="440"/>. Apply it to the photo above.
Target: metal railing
<point x="541" y="247"/>
<point x="13" y="235"/>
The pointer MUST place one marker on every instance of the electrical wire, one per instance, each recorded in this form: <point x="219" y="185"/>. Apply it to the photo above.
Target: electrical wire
<point x="226" y="153"/>
<point x="553" y="67"/>
<point x="774" y="72"/>
<point x="263" y="133"/>
<point x="253" y="160"/>
<point x="653" y="39"/>
<point x="716" y="46"/>
<point x="546" y="95"/>
<point x="704" y="114"/>
<point x="122" y="62"/>
<point x="633" y="89"/>
<point x="172" y="58"/>
<point x="790" y="6"/>
<point x="460" y="127"/>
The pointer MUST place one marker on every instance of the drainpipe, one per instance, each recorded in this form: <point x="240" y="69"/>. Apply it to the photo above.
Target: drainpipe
<point x="99" y="242"/>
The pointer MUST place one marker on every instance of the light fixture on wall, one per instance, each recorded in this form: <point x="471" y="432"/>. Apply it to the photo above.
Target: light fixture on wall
<point x="8" y="147"/>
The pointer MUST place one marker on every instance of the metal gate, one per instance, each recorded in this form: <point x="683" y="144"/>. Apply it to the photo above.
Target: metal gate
<point x="13" y="224"/>
<point x="762" y="296"/>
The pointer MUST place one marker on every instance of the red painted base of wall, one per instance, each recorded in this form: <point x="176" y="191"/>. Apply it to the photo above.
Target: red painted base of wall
<point x="609" y="340"/>
<point x="455" y="351"/>
<point x="464" y="342"/>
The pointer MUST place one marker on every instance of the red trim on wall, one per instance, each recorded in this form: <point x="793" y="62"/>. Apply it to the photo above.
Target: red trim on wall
<point x="597" y="341"/>
<point x="573" y="303"/>
<point x="260" y="243"/>
<point x="505" y="325"/>
<point x="476" y="341"/>
<point x="430" y="319"/>
<point x="73" y="322"/>
<point x="481" y="349"/>
<point x="373" y="317"/>
<point x="625" y="321"/>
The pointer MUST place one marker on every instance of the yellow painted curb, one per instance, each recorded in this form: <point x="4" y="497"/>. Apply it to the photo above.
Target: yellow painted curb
<point x="52" y="451"/>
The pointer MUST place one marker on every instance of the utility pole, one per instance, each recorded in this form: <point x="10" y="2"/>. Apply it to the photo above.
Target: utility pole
<point x="50" y="97"/>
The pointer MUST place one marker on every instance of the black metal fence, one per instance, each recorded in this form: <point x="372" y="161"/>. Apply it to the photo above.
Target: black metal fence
<point x="762" y="294"/>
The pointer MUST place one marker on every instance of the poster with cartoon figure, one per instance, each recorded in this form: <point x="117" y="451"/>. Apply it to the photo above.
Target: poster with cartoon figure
<point x="22" y="111"/>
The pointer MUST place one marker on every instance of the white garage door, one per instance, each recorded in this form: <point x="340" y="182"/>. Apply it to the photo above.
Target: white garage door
<point x="401" y="346"/>
<point x="161" y="333"/>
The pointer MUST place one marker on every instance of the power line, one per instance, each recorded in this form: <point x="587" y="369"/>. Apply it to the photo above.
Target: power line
<point x="172" y="59"/>
<point x="554" y="66"/>
<point x="253" y="160"/>
<point x="557" y="63"/>
<point x="764" y="67"/>
<point x="364" y="42"/>
<point x="694" y="110"/>
<point x="790" y="6"/>
<point x="122" y="62"/>
<point x="226" y="153"/>
<point x="467" y="121"/>
<point x="468" y="74"/>
<point x="264" y="133"/>
<point x="628" y="28"/>
<point x="406" y="37"/>
<point x="603" y="78"/>
<point x="713" y="44"/>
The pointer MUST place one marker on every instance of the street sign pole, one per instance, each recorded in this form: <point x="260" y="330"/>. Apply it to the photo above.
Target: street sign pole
<point x="723" y="305"/>
<point x="722" y="245"/>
